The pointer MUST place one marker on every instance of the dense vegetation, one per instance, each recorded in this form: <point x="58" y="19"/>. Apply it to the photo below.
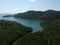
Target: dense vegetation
<point x="42" y="15"/>
<point x="49" y="36"/>
<point x="10" y="31"/>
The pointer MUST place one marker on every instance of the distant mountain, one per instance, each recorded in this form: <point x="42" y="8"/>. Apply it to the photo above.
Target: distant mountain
<point x="29" y="14"/>
<point x="6" y="14"/>
<point x="45" y="15"/>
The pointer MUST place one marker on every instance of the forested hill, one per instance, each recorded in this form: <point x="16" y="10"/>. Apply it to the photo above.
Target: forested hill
<point x="10" y="31"/>
<point x="29" y="14"/>
<point x="42" y="15"/>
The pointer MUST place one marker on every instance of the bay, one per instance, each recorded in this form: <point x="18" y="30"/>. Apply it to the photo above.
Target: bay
<point x="33" y="23"/>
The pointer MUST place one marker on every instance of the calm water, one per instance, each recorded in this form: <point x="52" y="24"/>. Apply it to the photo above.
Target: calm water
<point x="33" y="23"/>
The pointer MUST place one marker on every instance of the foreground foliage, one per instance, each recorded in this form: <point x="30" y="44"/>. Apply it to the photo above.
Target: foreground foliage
<point x="10" y="31"/>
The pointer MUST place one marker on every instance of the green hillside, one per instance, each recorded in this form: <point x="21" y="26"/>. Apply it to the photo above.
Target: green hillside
<point x="10" y="31"/>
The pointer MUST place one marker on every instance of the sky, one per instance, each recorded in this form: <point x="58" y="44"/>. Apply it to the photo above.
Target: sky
<point x="18" y="6"/>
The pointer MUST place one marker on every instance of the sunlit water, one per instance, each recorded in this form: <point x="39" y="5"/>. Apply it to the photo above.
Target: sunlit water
<point x="33" y="23"/>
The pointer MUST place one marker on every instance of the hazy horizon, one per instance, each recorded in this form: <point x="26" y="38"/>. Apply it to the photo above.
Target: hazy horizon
<point x="18" y="6"/>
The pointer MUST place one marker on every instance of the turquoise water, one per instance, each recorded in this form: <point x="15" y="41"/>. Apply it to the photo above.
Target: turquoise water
<point x="33" y="23"/>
